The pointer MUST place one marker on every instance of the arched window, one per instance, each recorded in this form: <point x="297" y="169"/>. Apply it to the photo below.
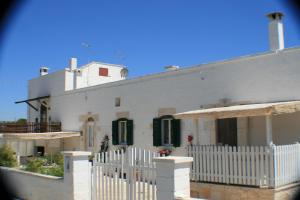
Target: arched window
<point x="90" y="132"/>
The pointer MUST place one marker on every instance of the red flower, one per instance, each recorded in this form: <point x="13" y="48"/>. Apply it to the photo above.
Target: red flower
<point x="190" y="138"/>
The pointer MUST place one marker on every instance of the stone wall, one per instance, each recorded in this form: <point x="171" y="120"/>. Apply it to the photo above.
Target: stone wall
<point x="227" y="192"/>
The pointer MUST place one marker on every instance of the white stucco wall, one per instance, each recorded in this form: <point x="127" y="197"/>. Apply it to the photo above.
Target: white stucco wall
<point x="264" y="78"/>
<point x="34" y="186"/>
<point x="90" y="75"/>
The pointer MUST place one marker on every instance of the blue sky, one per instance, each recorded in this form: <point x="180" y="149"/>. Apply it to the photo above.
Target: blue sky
<point x="144" y="35"/>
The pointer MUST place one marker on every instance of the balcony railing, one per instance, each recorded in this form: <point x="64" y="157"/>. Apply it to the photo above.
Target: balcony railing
<point x="29" y="127"/>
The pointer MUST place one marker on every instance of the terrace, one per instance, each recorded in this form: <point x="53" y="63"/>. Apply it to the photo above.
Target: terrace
<point x="29" y="127"/>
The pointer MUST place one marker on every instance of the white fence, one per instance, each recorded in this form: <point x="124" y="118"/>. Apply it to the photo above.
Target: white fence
<point x="124" y="175"/>
<point x="246" y="165"/>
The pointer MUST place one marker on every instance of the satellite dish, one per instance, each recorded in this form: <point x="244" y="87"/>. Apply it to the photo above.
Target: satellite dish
<point x="124" y="72"/>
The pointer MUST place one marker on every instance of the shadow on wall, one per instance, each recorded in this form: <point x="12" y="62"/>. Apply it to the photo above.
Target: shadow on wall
<point x="6" y="190"/>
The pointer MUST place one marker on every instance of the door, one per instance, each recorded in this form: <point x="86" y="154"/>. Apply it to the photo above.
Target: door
<point x="43" y="114"/>
<point x="227" y="131"/>
<point x="43" y="119"/>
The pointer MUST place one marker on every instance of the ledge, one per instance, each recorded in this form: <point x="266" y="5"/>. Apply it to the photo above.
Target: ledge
<point x="3" y="169"/>
<point x="76" y="153"/>
<point x="173" y="159"/>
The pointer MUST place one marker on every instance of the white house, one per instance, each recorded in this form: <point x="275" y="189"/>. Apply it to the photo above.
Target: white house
<point x="97" y="100"/>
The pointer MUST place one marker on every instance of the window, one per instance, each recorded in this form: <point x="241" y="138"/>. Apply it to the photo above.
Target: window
<point x="90" y="134"/>
<point x="166" y="131"/>
<point x="117" y="102"/>
<point x="122" y="132"/>
<point x="103" y="71"/>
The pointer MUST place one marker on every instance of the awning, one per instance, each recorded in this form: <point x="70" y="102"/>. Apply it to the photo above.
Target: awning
<point x="33" y="99"/>
<point x="39" y="136"/>
<point x="242" y="110"/>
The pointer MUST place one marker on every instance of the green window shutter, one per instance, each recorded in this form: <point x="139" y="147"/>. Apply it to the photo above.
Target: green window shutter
<point x="176" y="135"/>
<point x="115" y="134"/>
<point x="157" y="132"/>
<point x="129" y="132"/>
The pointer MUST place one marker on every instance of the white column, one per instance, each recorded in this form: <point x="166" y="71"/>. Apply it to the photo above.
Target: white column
<point x="269" y="138"/>
<point x="173" y="177"/>
<point x="196" y="130"/>
<point x="77" y="175"/>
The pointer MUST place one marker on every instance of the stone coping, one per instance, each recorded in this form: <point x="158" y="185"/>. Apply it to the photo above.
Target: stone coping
<point x="173" y="159"/>
<point x="76" y="153"/>
<point x="30" y="173"/>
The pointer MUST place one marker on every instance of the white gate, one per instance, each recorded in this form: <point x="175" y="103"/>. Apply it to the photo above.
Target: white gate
<point x="124" y="175"/>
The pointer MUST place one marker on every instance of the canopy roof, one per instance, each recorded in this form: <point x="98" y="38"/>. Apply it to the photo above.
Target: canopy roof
<point x="243" y="110"/>
<point x="40" y="136"/>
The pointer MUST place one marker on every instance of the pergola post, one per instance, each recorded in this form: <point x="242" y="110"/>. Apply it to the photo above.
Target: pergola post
<point x="269" y="134"/>
<point x="196" y="129"/>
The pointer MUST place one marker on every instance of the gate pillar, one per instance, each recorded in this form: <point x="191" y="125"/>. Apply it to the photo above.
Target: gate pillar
<point x="173" y="177"/>
<point x="77" y="175"/>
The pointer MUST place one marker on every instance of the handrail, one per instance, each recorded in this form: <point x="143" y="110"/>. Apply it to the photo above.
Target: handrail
<point x="29" y="127"/>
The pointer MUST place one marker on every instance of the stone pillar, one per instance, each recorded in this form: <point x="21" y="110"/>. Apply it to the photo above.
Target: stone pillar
<point x="77" y="175"/>
<point x="173" y="177"/>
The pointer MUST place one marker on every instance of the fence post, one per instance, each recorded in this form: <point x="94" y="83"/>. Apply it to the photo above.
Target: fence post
<point x="77" y="175"/>
<point x="173" y="177"/>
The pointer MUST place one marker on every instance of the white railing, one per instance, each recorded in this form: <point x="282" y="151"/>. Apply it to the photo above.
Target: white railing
<point x="124" y="175"/>
<point x="262" y="166"/>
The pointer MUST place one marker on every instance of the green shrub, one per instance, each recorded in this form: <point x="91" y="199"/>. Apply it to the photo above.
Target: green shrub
<point x="35" y="165"/>
<point x="55" y="158"/>
<point x="7" y="157"/>
<point x="56" y="170"/>
<point x="49" y="164"/>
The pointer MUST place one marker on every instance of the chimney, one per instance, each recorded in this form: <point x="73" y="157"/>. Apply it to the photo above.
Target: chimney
<point x="171" y="68"/>
<point x="276" y="38"/>
<point x="73" y="64"/>
<point x="44" y="71"/>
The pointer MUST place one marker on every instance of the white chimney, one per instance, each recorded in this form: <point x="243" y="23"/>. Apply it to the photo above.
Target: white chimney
<point x="73" y="64"/>
<point x="44" y="71"/>
<point x="276" y="38"/>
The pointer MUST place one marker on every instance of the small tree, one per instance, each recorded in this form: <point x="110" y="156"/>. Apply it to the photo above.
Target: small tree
<point x="7" y="157"/>
<point x="21" y="121"/>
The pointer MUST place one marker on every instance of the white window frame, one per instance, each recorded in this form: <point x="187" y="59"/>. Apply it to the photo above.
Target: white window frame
<point x="90" y="134"/>
<point x="169" y="131"/>
<point x="120" y="132"/>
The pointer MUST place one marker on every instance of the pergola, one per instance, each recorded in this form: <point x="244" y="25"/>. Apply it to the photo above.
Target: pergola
<point x="17" y="137"/>
<point x="262" y="109"/>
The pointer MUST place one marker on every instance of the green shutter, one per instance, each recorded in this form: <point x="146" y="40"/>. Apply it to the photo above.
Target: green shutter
<point x="129" y="132"/>
<point x="115" y="134"/>
<point x="176" y="136"/>
<point x="157" y="132"/>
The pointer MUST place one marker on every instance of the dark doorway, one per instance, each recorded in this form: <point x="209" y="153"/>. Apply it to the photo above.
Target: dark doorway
<point x="39" y="150"/>
<point x="43" y="114"/>
<point x="227" y="131"/>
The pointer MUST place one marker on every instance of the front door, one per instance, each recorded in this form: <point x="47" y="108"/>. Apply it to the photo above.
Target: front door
<point x="43" y="118"/>
<point x="227" y="131"/>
